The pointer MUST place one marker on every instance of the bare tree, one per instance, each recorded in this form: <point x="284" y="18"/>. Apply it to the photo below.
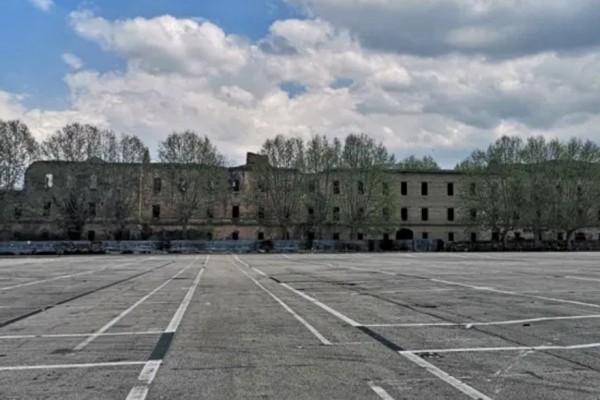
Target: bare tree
<point x="18" y="149"/>
<point x="365" y="200"/>
<point x="278" y="184"/>
<point x="197" y="175"/>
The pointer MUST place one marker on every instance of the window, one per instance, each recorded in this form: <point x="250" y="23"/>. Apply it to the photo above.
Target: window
<point x="209" y="213"/>
<point x="18" y="211"/>
<point x="157" y="187"/>
<point x="336" y="236"/>
<point x="360" y="187"/>
<point x="386" y="212"/>
<point x="336" y="187"/>
<point x="386" y="236"/>
<point x="473" y="213"/>
<point x="311" y="213"/>
<point x="517" y="235"/>
<point x="424" y="189"/>
<point x="262" y="187"/>
<point x="312" y="186"/>
<point x="425" y="235"/>
<point x="209" y="236"/>
<point x="47" y="209"/>
<point x="260" y="236"/>
<point x="235" y="212"/>
<point x="49" y="181"/>
<point x="360" y="236"/>
<point x="91" y="235"/>
<point x="156" y="211"/>
<point x="336" y="213"/>
<point x="236" y="185"/>
<point x="473" y="237"/>
<point x="424" y="214"/>
<point x="385" y="189"/>
<point x="92" y="210"/>
<point x="235" y="236"/>
<point x="495" y="236"/>
<point x="261" y="213"/>
<point x="404" y="214"/>
<point x="361" y="212"/>
<point x="404" y="188"/>
<point x="561" y="236"/>
<point x="473" y="189"/>
<point x="451" y="236"/>
<point x="451" y="214"/>
<point x="450" y="189"/>
<point x="93" y="182"/>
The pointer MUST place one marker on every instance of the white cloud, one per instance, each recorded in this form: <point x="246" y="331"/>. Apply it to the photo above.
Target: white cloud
<point x="44" y="5"/>
<point x="73" y="61"/>
<point x="189" y="74"/>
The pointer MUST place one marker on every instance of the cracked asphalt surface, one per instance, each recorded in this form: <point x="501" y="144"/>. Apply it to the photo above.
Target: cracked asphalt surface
<point x="301" y="326"/>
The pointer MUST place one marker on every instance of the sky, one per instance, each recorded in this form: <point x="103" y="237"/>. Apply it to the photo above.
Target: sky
<point x="425" y="77"/>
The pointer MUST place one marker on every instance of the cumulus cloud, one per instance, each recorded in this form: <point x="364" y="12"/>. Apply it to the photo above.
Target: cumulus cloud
<point x="44" y="5"/>
<point x="189" y="74"/>
<point x="73" y="61"/>
<point x="496" y="28"/>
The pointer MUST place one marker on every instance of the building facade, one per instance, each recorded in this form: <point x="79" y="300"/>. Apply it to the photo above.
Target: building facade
<point x="100" y="201"/>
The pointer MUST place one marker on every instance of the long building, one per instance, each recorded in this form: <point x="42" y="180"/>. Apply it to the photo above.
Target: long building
<point x="100" y="201"/>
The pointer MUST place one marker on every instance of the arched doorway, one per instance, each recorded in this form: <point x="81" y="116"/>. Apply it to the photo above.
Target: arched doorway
<point x="404" y="234"/>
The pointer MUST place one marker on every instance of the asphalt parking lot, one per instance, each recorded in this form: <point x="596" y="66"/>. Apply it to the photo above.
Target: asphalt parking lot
<point x="301" y="326"/>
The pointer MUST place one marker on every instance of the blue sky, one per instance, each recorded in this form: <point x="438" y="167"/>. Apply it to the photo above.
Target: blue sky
<point x="36" y="39"/>
<point x="241" y="71"/>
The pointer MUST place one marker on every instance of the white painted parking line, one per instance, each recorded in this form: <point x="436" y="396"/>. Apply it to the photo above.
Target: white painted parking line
<point x="75" y="335"/>
<point x="69" y="276"/>
<point x="306" y="324"/>
<point x="474" y="323"/>
<point x="151" y="367"/>
<point x="73" y="366"/>
<point x="380" y="391"/>
<point x="531" y="296"/>
<point x="508" y="348"/>
<point x="458" y="384"/>
<point x="582" y="278"/>
<point x="119" y="317"/>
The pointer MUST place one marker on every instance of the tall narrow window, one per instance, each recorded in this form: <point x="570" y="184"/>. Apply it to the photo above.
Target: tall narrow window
<point x="360" y="236"/>
<point x="336" y="213"/>
<point x="49" y="181"/>
<point x="360" y="187"/>
<point x="336" y="236"/>
<point x="404" y="188"/>
<point x="18" y="211"/>
<point x="157" y="187"/>
<point x="424" y="189"/>
<point x="473" y="213"/>
<point x="312" y="186"/>
<point x="424" y="214"/>
<point x="311" y="214"/>
<point x="473" y="237"/>
<point x="156" y="211"/>
<point x="235" y="212"/>
<point x="451" y="214"/>
<point x="209" y="213"/>
<point x="404" y="214"/>
<point x="425" y="235"/>
<point x="385" y="188"/>
<point x="47" y="209"/>
<point x="261" y="213"/>
<point x="473" y="189"/>
<point x="236" y="185"/>
<point x="451" y="236"/>
<point x="450" y="189"/>
<point x="336" y="187"/>
<point x="92" y="209"/>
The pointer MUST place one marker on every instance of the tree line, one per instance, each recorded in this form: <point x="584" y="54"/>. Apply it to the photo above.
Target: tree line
<point x="533" y="185"/>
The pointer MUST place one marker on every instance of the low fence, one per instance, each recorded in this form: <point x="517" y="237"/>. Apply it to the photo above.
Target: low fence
<point x="212" y="246"/>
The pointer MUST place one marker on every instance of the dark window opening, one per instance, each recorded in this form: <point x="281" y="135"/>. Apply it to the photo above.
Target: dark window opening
<point x="473" y="237"/>
<point x="404" y="214"/>
<point x="361" y="212"/>
<point x="473" y="213"/>
<point x="47" y="209"/>
<point x="336" y="236"/>
<point x="424" y="189"/>
<point x="235" y="212"/>
<point x="92" y="209"/>
<point x="18" y="211"/>
<point x="157" y="185"/>
<point x="517" y="235"/>
<point x="261" y="213"/>
<point x="156" y="211"/>
<point x="336" y="187"/>
<point x="360" y="236"/>
<point x="312" y="186"/>
<point x="91" y="235"/>
<point x="386" y="212"/>
<point x="261" y="236"/>
<point x="404" y="188"/>
<point x="473" y="189"/>
<point x="495" y="236"/>
<point x="311" y="214"/>
<point x="386" y="236"/>
<point x="209" y="236"/>
<point x="209" y="213"/>
<point x="336" y="213"/>
<point x="450" y="189"/>
<point x="424" y="214"/>
<point x="236" y="185"/>
<point x="360" y="187"/>
<point x="262" y="187"/>
<point x="451" y="236"/>
<point x="45" y="234"/>
<point x="235" y="236"/>
<point x="451" y="214"/>
<point x="425" y="235"/>
<point x="561" y="236"/>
